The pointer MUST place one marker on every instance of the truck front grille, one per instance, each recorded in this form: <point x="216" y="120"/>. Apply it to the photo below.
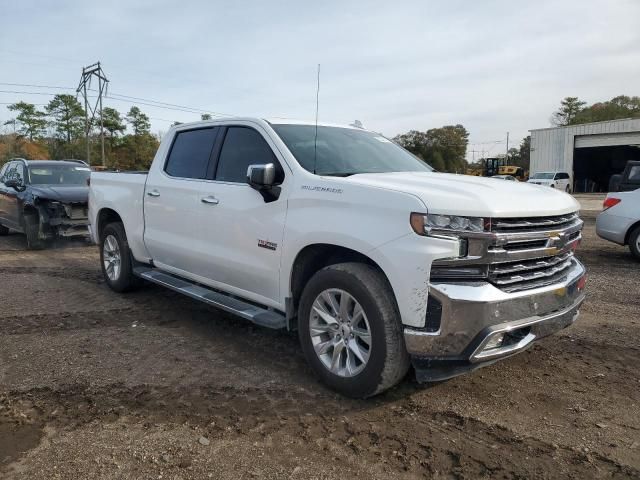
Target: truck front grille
<point x="536" y="251"/>
<point x="519" y="253"/>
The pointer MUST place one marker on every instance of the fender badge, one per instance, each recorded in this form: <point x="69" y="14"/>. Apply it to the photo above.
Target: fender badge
<point x="267" y="245"/>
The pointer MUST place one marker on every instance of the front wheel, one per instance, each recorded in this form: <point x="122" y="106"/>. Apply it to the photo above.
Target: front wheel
<point x="634" y="242"/>
<point x="115" y="258"/>
<point x="32" y="232"/>
<point x="350" y="330"/>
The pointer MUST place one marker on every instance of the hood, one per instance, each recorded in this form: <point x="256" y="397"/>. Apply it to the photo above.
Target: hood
<point x="61" y="193"/>
<point x="473" y="196"/>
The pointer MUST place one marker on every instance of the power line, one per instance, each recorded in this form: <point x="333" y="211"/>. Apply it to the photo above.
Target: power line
<point x="34" y="86"/>
<point x="29" y="93"/>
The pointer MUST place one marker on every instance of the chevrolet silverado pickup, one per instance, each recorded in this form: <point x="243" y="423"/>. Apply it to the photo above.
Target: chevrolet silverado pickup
<point x="377" y="261"/>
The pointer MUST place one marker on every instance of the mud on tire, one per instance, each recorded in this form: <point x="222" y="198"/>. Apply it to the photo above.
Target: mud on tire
<point x="388" y="360"/>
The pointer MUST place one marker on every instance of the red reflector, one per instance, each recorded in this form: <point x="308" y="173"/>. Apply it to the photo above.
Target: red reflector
<point x="610" y="202"/>
<point x="582" y="282"/>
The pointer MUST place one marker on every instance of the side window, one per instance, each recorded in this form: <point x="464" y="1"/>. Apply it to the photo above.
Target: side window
<point x="634" y="173"/>
<point x="19" y="175"/>
<point x="190" y="153"/>
<point x="242" y="147"/>
<point x="10" y="174"/>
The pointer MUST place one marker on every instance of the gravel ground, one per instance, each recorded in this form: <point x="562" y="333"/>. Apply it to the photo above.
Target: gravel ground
<point x="153" y="385"/>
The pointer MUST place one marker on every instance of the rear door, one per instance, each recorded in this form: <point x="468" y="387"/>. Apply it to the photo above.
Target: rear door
<point x="174" y="233"/>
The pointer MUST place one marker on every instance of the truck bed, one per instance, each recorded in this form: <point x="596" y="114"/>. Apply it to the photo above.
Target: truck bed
<point x="122" y="192"/>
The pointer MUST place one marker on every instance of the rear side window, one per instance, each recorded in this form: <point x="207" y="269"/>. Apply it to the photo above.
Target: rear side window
<point x="190" y="153"/>
<point x="634" y="173"/>
<point x="242" y="147"/>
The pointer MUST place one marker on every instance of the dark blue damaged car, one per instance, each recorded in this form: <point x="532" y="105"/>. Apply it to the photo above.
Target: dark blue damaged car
<point x="44" y="199"/>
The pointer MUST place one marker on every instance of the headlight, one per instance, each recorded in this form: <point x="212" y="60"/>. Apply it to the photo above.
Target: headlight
<point x="423" y="224"/>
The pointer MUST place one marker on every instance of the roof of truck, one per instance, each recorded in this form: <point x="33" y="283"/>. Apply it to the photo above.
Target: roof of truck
<point x="271" y="120"/>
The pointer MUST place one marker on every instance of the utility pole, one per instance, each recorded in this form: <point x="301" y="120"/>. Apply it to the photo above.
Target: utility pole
<point x="88" y="73"/>
<point x="506" y="157"/>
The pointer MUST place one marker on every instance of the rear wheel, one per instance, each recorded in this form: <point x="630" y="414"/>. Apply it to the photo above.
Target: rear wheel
<point x="350" y="330"/>
<point x="634" y="242"/>
<point x="567" y="189"/>
<point x="116" y="259"/>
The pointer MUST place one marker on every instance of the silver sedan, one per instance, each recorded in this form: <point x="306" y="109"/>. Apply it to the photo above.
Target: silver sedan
<point x="619" y="222"/>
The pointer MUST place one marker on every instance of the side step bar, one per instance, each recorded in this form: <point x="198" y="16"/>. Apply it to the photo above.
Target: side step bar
<point x="258" y="315"/>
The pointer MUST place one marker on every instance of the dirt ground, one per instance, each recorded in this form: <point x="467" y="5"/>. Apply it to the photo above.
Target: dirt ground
<point x="150" y="384"/>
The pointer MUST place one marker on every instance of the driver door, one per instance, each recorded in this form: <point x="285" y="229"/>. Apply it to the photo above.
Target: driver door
<point x="9" y="196"/>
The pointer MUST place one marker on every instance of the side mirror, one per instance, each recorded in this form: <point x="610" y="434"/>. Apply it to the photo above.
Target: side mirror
<point x="261" y="177"/>
<point x="13" y="183"/>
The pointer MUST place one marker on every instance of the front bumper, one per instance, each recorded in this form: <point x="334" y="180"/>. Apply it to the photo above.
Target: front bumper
<point x="474" y="314"/>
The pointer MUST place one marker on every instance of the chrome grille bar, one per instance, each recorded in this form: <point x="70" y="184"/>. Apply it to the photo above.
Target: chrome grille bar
<point x="531" y="224"/>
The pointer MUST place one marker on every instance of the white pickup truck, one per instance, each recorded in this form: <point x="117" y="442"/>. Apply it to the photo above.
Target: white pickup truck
<point x="375" y="259"/>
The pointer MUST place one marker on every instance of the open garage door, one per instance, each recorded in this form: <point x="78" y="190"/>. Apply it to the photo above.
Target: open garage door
<point x="593" y="166"/>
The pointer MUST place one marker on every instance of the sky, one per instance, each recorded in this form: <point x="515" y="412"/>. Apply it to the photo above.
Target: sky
<point x="492" y="66"/>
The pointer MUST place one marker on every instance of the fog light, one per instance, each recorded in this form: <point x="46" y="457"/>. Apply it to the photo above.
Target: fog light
<point x="494" y="342"/>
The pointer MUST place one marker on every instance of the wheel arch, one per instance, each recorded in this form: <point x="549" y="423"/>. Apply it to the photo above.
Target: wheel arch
<point x="104" y="217"/>
<point x="629" y="230"/>
<point x="315" y="257"/>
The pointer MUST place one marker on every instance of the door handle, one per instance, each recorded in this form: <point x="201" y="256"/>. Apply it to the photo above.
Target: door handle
<point x="153" y="193"/>
<point x="210" y="200"/>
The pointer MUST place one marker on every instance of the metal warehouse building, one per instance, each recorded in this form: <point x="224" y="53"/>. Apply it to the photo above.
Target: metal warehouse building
<point x="590" y="152"/>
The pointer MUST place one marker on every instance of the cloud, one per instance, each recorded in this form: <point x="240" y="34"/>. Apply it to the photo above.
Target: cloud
<point x="494" y="66"/>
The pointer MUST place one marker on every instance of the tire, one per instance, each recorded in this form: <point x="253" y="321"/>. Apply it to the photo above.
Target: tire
<point x="31" y="226"/>
<point x="387" y="358"/>
<point x="3" y="231"/>
<point x="567" y="189"/>
<point x="634" y="242"/>
<point x="119" y="276"/>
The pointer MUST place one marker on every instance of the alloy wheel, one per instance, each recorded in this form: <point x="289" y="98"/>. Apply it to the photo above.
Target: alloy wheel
<point x="340" y="332"/>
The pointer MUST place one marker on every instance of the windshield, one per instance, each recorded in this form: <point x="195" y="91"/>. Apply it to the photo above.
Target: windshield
<point x="58" y="175"/>
<point x="543" y="175"/>
<point x="346" y="151"/>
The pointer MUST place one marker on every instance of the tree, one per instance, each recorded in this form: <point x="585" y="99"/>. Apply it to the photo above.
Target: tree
<point x="205" y="116"/>
<point x="621" y="106"/>
<point x="31" y="121"/>
<point x="138" y="149"/>
<point x="443" y="148"/>
<point x="113" y="123"/>
<point x="138" y="121"/>
<point x="67" y="117"/>
<point x="569" y="108"/>
<point x="525" y="152"/>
